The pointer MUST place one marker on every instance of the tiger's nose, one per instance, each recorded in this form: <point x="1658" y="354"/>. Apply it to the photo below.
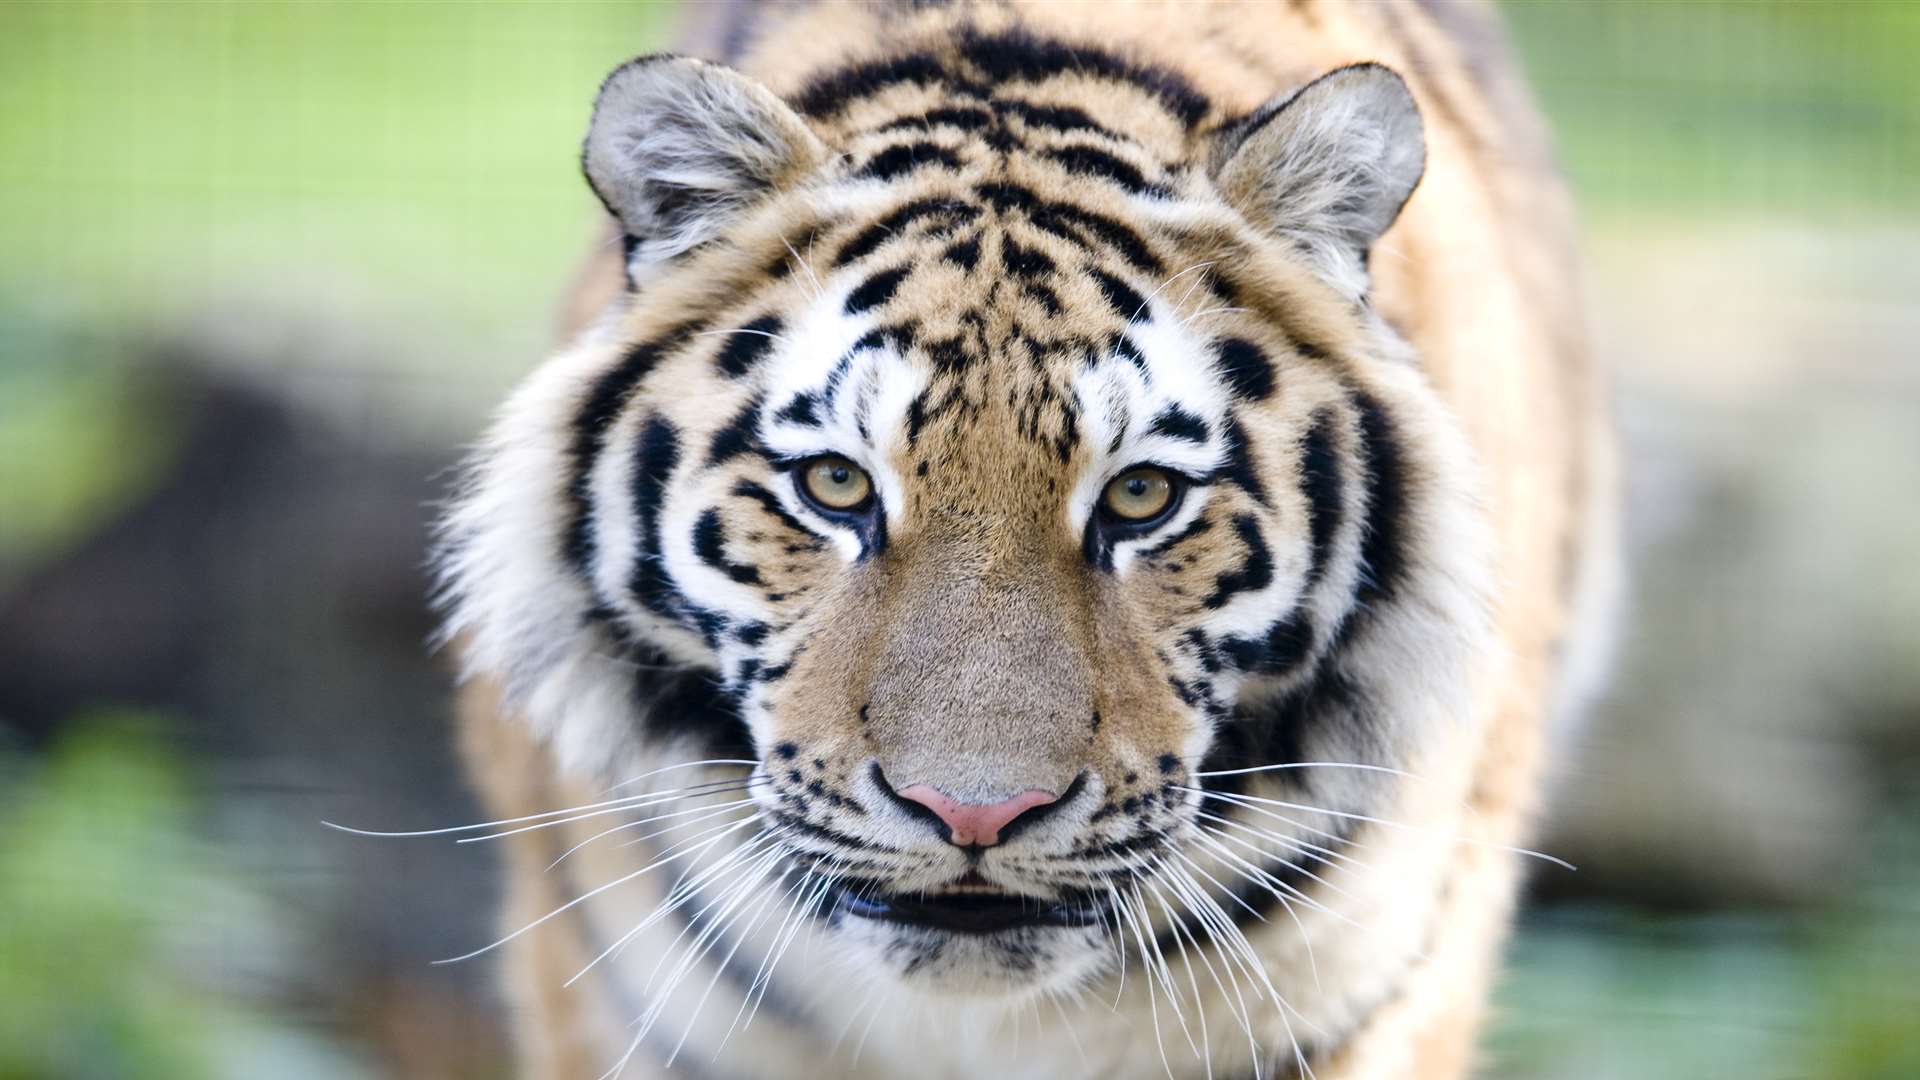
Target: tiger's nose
<point x="976" y="824"/>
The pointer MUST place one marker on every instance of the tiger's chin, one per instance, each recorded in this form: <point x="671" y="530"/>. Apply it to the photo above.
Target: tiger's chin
<point x="974" y="944"/>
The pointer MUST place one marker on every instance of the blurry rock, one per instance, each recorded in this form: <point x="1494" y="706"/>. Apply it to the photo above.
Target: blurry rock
<point x="1768" y="679"/>
<point x="268" y="594"/>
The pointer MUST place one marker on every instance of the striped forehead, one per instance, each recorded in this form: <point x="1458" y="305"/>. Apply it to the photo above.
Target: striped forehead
<point x="1156" y="398"/>
<point x="839" y="383"/>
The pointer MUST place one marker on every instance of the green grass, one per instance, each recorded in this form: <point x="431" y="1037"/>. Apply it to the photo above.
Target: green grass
<point x="1614" y="994"/>
<point x="408" y="170"/>
<point x="413" y="162"/>
<point x="107" y="898"/>
<point x="1722" y="109"/>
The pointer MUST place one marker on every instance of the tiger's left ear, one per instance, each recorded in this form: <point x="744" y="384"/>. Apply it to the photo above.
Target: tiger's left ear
<point x="1329" y="167"/>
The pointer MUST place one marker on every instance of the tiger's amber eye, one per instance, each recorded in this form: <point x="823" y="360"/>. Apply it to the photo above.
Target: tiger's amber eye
<point x="1138" y="495"/>
<point x="835" y="483"/>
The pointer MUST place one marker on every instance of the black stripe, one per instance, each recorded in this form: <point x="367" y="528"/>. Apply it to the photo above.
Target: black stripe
<point x="835" y="90"/>
<point x="770" y="502"/>
<point x="1320" y="482"/>
<point x="1126" y="302"/>
<point x="1194" y="528"/>
<point x="1023" y="262"/>
<point x="1016" y="54"/>
<point x="916" y="416"/>
<point x="897" y="161"/>
<point x="837" y="378"/>
<point x="871" y="237"/>
<point x="745" y="346"/>
<point x="803" y="409"/>
<point x="655" y="456"/>
<point x="1177" y="423"/>
<point x="679" y="703"/>
<point x="1254" y="574"/>
<point x="710" y="545"/>
<point x="1056" y="118"/>
<point x="740" y="436"/>
<point x="966" y="118"/>
<point x="1070" y="222"/>
<point x="1044" y="296"/>
<point x="1240" y="468"/>
<point x="1089" y="161"/>
<point x="1287" y="643"/>
<point x="876" y="290"/>
<point x="1004" y="197"/>
<point x="1066" y="221"/>
<point x="965" y="253"/>
<point x="591" y="425"/>
<point x="1382" y="546"/>
<point x="1246" y="368"/>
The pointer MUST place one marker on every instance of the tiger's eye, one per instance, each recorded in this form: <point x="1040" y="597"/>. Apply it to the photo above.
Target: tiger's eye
<point x="1138" y="495"/>
<point x="835" y="483"/>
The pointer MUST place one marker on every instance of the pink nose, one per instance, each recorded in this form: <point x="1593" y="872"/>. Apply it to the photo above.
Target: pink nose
<point x="971" y="824"/>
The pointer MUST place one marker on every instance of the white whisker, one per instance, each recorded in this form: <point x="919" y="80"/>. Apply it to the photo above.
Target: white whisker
<point x="584" y="897"/>
<point x="1318" y="853"/>
<point x="706" y="813"/>
<point x="1196" y="316"/>
<point x="1157" y="289"/>
<point x="819" y="290"/>
<point x="1310" y="765"/>
<point x="1386" y="823"/>
<point x="1186" y="961"/>
<point x="626" y="802"/>
<point x="683" y="892"/>
<point x="646" y="802"/>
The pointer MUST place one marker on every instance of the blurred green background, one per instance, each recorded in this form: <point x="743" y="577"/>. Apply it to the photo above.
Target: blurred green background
<point x="263" y="268"/>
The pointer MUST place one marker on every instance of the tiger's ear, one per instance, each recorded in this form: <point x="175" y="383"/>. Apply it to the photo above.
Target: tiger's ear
<point x="679" y="148"/>
<point x="1328" y="167"/>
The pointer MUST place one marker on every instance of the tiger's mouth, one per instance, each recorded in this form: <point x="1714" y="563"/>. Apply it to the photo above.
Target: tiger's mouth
<point x="968" y="906"/>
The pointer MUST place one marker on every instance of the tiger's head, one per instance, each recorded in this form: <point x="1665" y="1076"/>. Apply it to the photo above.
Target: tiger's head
<point x="992" y="457"/>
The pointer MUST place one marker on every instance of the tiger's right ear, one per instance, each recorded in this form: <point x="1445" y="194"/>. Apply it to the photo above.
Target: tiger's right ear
<point x="678" y="148"/>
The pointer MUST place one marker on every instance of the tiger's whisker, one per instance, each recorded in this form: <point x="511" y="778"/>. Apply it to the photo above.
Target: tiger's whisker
<point x="1387" y="823"/>
<point x="706" y="813"/>
<point x="1318" y="853"/>
<point x="626" y="801"/>
<point x="648" y="803"/>
<point x="584" y="897"/>
<point x="1310" y="765"/>
<point x="1159" y="288"/>
<point x="1186" y="961"/>
<point x="762" y="903"/>
<point x="1244" y="1014"/>
<point x="683" y="891"/>
<point x="1213" y="840"/>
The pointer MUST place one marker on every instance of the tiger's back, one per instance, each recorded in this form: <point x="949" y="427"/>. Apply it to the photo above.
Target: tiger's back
<point x="1401" y="562"/>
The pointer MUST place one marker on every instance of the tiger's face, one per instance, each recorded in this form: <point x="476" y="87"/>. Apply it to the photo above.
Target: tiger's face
<point x="992" y="469"/>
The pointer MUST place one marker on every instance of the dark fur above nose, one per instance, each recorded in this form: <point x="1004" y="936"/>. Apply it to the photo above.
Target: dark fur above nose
<point x="975" y="825"/>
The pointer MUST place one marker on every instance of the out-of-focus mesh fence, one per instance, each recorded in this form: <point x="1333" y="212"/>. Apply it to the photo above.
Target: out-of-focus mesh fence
<point x="264" y="266"/>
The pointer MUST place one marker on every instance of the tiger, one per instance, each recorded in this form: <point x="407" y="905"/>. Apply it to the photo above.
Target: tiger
<point x="1057" y="542"/>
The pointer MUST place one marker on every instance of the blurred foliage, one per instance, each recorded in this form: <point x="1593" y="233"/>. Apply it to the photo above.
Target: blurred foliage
<point x="92" y="864"/>
<point x="1729" y="107"/>
<point x="415" y="164"/>
<point x="66" y="422"/>
<point x="102" y="883"/>
<point x="1613" y="994"/>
